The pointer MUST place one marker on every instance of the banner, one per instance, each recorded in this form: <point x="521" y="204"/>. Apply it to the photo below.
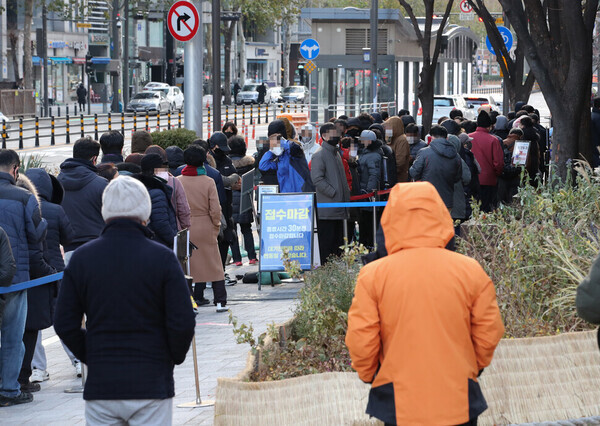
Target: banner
<point x="286" y="223"/>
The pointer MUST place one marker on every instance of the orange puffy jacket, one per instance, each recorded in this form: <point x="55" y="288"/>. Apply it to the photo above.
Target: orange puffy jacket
<point x="424" y="320"/>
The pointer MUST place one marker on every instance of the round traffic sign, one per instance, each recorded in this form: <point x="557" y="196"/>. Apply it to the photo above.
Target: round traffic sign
<point x="465" y="7"/>
<point x="183" y="20"/>
<point x="507" y="37"/>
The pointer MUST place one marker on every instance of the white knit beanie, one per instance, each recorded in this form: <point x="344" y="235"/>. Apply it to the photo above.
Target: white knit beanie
<point x="126" y="197"/>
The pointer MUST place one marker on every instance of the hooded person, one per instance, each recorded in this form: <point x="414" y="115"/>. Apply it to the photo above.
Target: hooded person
<point x="370" y="166"/>
<point x="424" y="321"/>
<point x="501" y="127"/>
<point x="175" y="158"/>
<point x="459" y="206"/>
<point x="388" y="157"/>
<point x="308" y="141"/>
<point x="399" y="145"/>
<point x="288" y="159"/>
<point x="407" y="119"/>
<point x="439" y="164"/>
<point x="415" y="142"/>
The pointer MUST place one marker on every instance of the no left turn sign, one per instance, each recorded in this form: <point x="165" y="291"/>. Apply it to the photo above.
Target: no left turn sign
<point x="465" y="7"/>
<point x="183" y="20"/>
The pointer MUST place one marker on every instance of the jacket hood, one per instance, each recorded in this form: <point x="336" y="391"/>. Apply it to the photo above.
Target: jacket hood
<point x="377" y="117"/>
<point x="374" y="146"/>
<point x="174" y="156"/>
<point x="444" y="147"/>
<point x="454" y="140"/>
<point x="416" y="216"/>
<point x="397" y="126"/>
<point x="307" y="145"/>
<point x="76" y="173"/>
<point x="25" y="183"/>
<point x="241" y="162"/>
<point x="501" y="123"/>
<point x="48" y="187"/>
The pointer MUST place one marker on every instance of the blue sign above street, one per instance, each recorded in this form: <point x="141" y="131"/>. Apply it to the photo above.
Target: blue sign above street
<point x="506" y="36"/>
<point x="309" y="49"/>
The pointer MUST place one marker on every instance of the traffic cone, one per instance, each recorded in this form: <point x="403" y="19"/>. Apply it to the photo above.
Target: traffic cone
<point x="254" y="132"/>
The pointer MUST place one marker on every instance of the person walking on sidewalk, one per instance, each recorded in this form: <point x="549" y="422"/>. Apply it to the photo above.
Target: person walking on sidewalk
<point x="205" y="263"/>
<point x="120" y="281"/>
<point x="21" y="218"/>
<point x="424" y="321"/>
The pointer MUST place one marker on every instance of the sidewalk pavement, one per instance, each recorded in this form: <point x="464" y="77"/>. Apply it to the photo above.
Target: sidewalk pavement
<point x="218" y="356"/>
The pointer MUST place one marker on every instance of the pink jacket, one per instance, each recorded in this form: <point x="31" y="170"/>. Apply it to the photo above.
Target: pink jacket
<point x="180" y="203"/>
<point x="488" y="152"/>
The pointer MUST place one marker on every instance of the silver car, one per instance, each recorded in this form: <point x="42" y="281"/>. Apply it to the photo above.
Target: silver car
<point x="248" y="94"/>
<point x="295" y="94"/>
<point x="149" y="101"/>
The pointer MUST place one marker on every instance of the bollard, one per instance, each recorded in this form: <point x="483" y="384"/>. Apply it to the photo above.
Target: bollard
<point x="209" y="126"/>
<point x="96" y="126"/>
<point x="226" y="113"/>
<point x="75" y="109"/>
<point x="109" y="122"/>
<point x="147" y="120"/>
<point x="67" y="107"/>
<point x="52" y="141"/>
<point x="68" y="141"/>
<point x="266" y="114"/>
<point x="169" y="120"/>
<point x="123" y="123"/>
<point x="251" y="114"/>
<point x="135" y="121"/>
<point x="296" y="107"/>
<point x="4" y="135"/>
<point x="243" y="113"/>
<point x="41" y="110"/>
<point x="235" y="115"/>
<point x="37" y="131"/>
<point x="49" y="111"/>
<point x="81" y="124"/>
<point x="21" y="133"/>
<point x="158" y="121"/>
<point x="179" y="118"/>
<point x="59" y="110"/>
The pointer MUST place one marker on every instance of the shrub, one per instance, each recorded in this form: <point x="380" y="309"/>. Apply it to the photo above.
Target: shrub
<point x="174" y="137"/>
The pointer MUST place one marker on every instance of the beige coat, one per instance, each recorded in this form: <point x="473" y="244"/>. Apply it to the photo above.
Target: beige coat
<point x="201" y="192"/>
<point x="400" y="147"/>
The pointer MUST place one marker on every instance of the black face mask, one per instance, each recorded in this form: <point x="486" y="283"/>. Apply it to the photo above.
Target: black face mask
<point x="334" y="140"/>
<point x="218" y="153"/>
<point x="228" y="134"/>
<point x="353" y="133"/>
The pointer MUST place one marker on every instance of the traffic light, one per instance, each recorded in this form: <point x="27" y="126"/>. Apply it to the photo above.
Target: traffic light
<point x="88" y="63"/>
<point x="480" y="19"/>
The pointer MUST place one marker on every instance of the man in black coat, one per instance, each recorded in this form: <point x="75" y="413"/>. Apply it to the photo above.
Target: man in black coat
<point x="140" y="319"/>
<point x="81" y="96"/>
<point x="262" y="92"/>
<point x="83" y="193"/>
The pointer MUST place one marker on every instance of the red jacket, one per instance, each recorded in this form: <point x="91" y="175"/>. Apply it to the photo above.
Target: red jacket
<point x="488" y="152"/>
<point x="345" y="157"/>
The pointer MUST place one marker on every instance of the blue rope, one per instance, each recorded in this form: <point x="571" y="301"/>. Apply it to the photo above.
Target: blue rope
<point x="33" y="283"/>
<point x="354" y="204"/>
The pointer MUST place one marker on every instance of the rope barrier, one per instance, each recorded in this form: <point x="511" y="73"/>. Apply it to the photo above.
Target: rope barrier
<point x="353" y="204"/>
<point x="33" y="283"/>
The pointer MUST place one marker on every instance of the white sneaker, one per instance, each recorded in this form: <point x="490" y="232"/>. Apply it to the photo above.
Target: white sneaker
<point x="39" y="376"/>
<point x="78" y="368"/>
<point x="221" y="308"/>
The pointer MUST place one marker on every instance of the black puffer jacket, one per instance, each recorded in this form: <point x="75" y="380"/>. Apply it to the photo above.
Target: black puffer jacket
<point x="243" y="164"/>
<point x="162" y="218"/>
<point x="370" y="167"/>
<point x="8" y="267"/>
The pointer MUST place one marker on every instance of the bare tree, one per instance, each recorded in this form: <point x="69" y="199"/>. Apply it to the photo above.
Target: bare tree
<point x="557" y="40"/>
<point x="512" y="68"/>
<point x="425" y="88"/>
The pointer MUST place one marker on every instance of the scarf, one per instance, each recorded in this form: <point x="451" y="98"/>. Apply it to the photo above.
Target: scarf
<point x="193" y="171"/>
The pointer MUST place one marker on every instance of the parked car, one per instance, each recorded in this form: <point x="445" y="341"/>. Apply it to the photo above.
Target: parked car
<point x="173" y="94"/>
<point x="295" y="94"/>
<point x="248" y="94"/>
<point x="154" y="85"/>
<point x="475" y="101"/>
<point x="442" y="105"/>
<point x="149" y="100"/>
<point x="274" y="95"/>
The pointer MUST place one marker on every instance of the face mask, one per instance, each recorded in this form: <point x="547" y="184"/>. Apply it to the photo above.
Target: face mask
<point x="334" y="140"/>
<point x="163" y="175"/>
<point x="228" y="134"/>
<point x="412" y="139"/>
<point x="276" y="150"/>
<point x="305" y="139"/>
<point x="353" y="152"/>
<point x="389" y="133"/>
<point x="353" y="133"/>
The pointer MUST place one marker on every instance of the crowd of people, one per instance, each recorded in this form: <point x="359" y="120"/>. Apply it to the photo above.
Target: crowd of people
<point x="102" y="199"/>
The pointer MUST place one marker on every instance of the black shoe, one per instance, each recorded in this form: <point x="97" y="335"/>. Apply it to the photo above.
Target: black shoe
<point x="202" y="301"/>
<point x="22" y="398"/>
<point x="30" y="387"/>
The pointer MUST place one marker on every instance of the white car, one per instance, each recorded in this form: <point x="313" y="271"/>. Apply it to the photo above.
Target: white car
<point x="443" y="104"/>
<point x="474" y="101"/>
<point x="248" y="94"/>
<point x="155" y="85"/>
<point x="173" y="94"/>
<point x="274" y="95"/>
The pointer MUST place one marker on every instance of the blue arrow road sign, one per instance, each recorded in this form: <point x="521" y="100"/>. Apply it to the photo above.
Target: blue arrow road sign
<point x="506" y="36"/>
<point x="309" y="49"/>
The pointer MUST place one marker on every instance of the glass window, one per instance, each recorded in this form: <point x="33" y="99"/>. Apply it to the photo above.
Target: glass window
<point x="156" y="34"/>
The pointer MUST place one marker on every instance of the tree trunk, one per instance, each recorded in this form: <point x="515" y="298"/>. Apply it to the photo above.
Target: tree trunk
<point x="228" y="33"/>
<point x="242" y="46"/>
<point x="27" y="53"/>
<point x="287" y="47"/>
<point x="425" y="94"/>
<point x="14" y="42"/>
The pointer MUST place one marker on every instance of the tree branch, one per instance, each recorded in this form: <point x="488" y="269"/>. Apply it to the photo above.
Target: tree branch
<point x="440" y="32"/>
<point x="408" y="8"/>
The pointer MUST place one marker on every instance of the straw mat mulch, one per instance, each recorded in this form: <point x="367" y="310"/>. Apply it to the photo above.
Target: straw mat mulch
<point x="530" y="380"/>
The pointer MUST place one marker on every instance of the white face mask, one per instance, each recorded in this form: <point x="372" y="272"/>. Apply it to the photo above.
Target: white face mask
<point x="276" y="150"/>
<point x="164" y="175"/>
<point x="389" y="133"/>
<point x="353" y="152"/>
<point x="412" y="139"/>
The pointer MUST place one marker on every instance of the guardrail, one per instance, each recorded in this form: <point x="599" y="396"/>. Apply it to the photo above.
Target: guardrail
<point x="49" y="131"/>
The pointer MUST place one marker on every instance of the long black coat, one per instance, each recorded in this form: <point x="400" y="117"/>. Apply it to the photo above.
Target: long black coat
<point x="243" y="164"/>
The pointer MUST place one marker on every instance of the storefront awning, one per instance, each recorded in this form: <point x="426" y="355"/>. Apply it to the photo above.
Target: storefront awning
<point x="78" y="60"/>
<point x="60" y="60"/>
<point x="100" y="60"/>
<point x="257" y="61"/>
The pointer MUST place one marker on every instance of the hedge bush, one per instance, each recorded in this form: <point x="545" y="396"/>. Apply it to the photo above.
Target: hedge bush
<point x="178" y="137"/>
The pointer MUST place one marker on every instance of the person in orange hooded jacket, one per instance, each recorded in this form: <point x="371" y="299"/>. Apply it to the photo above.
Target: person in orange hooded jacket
<point x="424" y="321"/>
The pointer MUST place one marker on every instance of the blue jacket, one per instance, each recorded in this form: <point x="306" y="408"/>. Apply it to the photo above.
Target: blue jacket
<point x="140" y="320"/>
<point x="7" y="262"/>
<point x="293" y="174"/>
<point x="163" y="221"/>
<point x="21" y="218"/>
<point x="83" y="199"/>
